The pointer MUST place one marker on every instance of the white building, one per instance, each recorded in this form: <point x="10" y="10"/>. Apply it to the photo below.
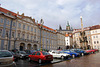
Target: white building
<point x="95" y="36"/>
<point x="68" y="40"/>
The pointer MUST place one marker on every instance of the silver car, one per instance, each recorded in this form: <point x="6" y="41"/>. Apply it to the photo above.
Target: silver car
<point x="6" y="59"/>
<point x="22" y="54"/>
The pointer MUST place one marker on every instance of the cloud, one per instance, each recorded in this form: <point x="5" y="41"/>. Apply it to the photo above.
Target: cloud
<point x="55" y="12"/>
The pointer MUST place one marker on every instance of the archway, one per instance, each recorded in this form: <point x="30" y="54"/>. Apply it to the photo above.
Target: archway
<point x="29" y="46"/>
<point x="22" y="46"/>
<point x="34" y="47"/>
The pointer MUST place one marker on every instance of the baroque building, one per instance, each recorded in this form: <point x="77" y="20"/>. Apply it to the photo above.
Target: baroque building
<point x="92" y="34"/>
<point x="95" y="36"/>
<point x="23" y="33"/>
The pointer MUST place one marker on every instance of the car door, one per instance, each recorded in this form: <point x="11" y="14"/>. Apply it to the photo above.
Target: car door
<point x="38" y="56"/>
<point x="33" y="56"/>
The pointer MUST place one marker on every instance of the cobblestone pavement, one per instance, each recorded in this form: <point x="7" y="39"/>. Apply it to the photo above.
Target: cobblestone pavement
<point x="92" y="60"/>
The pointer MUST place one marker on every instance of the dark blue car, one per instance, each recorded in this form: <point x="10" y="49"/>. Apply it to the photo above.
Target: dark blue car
<point x="80" y="51"/>
<point x="72" y="54"/>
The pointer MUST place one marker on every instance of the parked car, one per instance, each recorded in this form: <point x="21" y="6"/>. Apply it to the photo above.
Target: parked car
<point x="80" y="51"/>
<point x="6" y="59"/>
<point x="16" y="56"/>
<point x="58" y="54"/>
<point x="96" y="50"/>
<point x="22" y="54"/>
<point x="90" y="51"/>
<point x="72" y="54"/>
<point x="29" y="52"/>
<point x="40" y="56"/>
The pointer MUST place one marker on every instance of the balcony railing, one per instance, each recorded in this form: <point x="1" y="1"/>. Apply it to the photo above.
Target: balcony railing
<point x="27" y="40"/>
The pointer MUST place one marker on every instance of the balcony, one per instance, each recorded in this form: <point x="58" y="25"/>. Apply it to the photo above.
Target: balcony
<point x="27" y="40"/>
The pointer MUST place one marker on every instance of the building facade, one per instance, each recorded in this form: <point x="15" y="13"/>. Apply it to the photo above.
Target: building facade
<point x="23" y="33"/>
<point x="69" y="41"/>
<point x="77" y="38"/>
<point x="95" y="35"/>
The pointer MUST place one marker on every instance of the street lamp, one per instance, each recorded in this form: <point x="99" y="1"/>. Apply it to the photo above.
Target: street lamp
<point x="41" y="26"/>
<point x="15" y="39"/>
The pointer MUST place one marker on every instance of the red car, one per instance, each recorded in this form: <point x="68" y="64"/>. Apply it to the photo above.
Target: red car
<point x="96" y="50"/>
<point x="90" y="51"/>
<point x="40" y="56"/>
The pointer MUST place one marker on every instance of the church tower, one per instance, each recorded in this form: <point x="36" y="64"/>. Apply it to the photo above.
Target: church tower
<point x="60" y="28"/>
<point x="67" y="26"/>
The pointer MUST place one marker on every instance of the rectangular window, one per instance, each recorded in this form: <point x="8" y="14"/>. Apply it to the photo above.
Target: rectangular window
<point x="31" y="37"/>
<point x="93" y="36"/>
<point x="35" y="30"/>
<point x="19" y="25"/>
<point x="13" y="24"/>
<point x="23" y="36"/>
<point x="27" y="27"/>
<point x="27" y="36"/>
<point x="31" y="28"/>
<point x="1" y="20"/>
<point x="18" y="35"/>
<point x="23" y="27"/>
<point x="7" y="22"/>
<point x="94" y="42"/>
<point x="34" y="37"/>
<point x="97" y="42"/>
<point x="13" y="34"/>
<point x="7" y="33"/>
<point x="0" y="32"/>
<point x="96" y="36"/>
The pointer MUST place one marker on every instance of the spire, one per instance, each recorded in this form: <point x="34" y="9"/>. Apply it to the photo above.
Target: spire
<point x="68" y="23"/>
<point x="60" y="28"/>
<point x="67" y="26"/>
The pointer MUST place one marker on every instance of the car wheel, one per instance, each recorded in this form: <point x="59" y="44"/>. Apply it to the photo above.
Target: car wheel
<point x="73" y="56"/>
<point x="39" y="61"/>
<point x="82" y="54"/>
<point x="62" y="57"/>
<point x="21" y="57"/>
<point x="29" y="59"/>
<point x="92" y="52"/>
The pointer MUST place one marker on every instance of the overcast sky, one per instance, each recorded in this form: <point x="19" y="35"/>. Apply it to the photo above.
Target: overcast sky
<point x="58" y="12"/>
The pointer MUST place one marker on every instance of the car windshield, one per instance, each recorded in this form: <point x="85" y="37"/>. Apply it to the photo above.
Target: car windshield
<point x="12" y="52"/>
<point x="61" y="51"/>
<point x="5" y="54"/>
<point x="45" y="53"/>
<point x="67" y="51"/>
<point x="22" y="52"/>
<point x="72" y="51"/>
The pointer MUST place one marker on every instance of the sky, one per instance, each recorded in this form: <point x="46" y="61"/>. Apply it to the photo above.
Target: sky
<point x="58" y="12"/>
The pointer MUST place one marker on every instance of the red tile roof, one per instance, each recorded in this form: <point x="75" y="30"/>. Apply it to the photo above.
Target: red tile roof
<point x="7" y="11"/>
<point x="95" y="27"/>
<point x="47" y="28"/>
<point x="66" y="35"/>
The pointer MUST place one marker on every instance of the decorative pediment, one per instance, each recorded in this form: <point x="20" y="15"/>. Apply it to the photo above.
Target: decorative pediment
<point x="28" y="19"/>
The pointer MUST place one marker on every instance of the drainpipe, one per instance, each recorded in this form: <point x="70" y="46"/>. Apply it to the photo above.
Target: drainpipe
<point x="9" y="41"/>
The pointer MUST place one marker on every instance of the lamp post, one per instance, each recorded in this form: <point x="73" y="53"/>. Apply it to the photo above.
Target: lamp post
<point x="41" y="26"/>
<point x="15" y="39"/>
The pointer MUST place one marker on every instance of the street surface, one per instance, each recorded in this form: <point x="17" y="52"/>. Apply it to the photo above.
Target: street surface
<point x="92" y="60"/>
